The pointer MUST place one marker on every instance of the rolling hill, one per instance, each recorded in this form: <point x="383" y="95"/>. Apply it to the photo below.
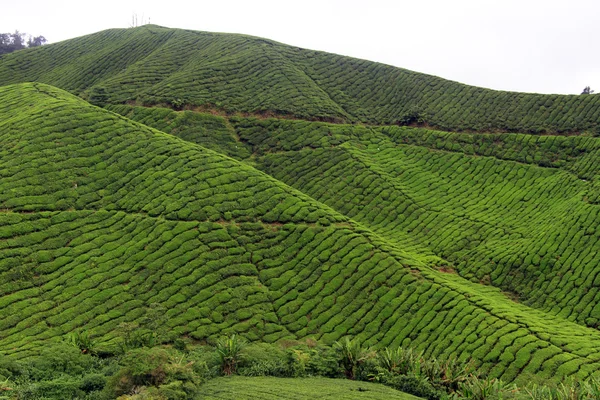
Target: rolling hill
<point x="103" y="216"/>
<point x="249" y="220"/>
<point x="153" y="65"/>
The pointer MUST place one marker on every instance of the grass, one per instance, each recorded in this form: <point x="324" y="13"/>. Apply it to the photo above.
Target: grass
<point x="297" y="389"/>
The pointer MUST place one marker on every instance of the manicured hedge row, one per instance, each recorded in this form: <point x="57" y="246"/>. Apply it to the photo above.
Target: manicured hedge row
<point x="527" y="226"/>
<point x="207" y="130"/>
<point x="62" y="154"/>
<point x="102" y="217"/>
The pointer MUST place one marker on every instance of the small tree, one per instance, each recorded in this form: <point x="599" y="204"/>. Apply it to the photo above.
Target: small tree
<point x="36" y="41"/>
<point x="10" y="42"/>
<point x="587" y="90"/>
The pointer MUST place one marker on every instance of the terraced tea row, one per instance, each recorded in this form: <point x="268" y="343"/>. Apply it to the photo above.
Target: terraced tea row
<point x="67" y="271"/>
<point x="207" y="130"/>
<point x="578" y="154"/>
<point x="492" y="244"/>
<point x="236" y="73"/>
<point x="61" y="153"/>
<point x="383" y="94"/>
<point x="527" y="229"/>
<point x="288" y="269"/>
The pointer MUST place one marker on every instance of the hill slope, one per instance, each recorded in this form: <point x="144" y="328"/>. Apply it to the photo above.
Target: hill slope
<point x="528" y="229"/>
<point x="102" y="217"/>
<point x="237" y="73"/>
<point x="515" y="211"/>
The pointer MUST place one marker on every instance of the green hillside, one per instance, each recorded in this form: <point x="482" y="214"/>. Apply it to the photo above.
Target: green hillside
<point x="238" y="73"/>
<point x="102" y="217"/>
<point x="529" y="229"/>
<point x="515" y="211"/>
<point x="239" y="388"/>
<point x="250" y="187"/>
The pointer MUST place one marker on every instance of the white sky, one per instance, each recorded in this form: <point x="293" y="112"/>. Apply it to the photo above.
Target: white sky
<point x="544" y="46"/>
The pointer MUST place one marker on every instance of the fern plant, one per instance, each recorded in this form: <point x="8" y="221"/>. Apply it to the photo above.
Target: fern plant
<point x="351" y="355"/>
<point x="230" y="352"/>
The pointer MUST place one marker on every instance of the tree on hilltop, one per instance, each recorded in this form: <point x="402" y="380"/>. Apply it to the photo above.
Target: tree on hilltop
<point x="36" y="41"/>
<point x="587" y="90"/>
<point x="10" y="42"/>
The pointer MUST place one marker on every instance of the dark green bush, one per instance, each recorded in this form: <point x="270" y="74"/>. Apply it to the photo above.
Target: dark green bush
<point x="418" y="386"/>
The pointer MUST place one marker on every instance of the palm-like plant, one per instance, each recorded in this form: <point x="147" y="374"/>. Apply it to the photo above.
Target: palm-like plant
<point x="484" y="389"/>
<point x="230" y="352"/>
<point x="82" y="341"/>
<point x="592" y="387"/>
<point x="352" y="355"/>
<point x="399" y="361"/>
<point x="454" y="372"/>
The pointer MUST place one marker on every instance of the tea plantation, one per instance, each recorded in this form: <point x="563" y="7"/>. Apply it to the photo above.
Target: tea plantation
<point x="197" y="172"/>
<point x="103" y="216"/>
<point x="297" y="389"/>
<point x="152" y="65"/>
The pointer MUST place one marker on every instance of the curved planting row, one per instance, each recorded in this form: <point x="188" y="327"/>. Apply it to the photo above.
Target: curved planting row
<point x="95" y="270"/>
<point x="573" y="153"/>
<point x="207" y="130"/>
<point x="236" y="73"/>
<point x="329" y="282"/>
<point x="528" y="229"/>
<point x="61" y="153"/>
<point x="102" y="217"/>
<point x="66" y="271"/>
<point x="384" y="94"/>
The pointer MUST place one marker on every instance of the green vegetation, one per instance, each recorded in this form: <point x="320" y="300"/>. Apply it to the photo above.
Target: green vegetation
<point x="297" y="389"/>
<point x="210" y="131"/>
<point x="132" y="236"/>
<point x="10" y="42"/>
<point x="515" y="211"/>
<point x="152" y="65"/>
<point x="105" y="219"/>
<point x="186" y="371"/>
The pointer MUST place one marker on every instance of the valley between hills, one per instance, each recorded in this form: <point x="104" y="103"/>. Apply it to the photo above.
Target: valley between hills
<point x="283" y="195"/>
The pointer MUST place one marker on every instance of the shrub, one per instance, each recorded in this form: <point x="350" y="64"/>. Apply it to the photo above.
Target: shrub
<point x="265" y="360"/>
<point x="154" y="371"/>
<point x="64" y="387"/>
<point x="399" y="361"/>
<point x="82" y="341"/>
<point x="412" y="384"/>
<point x="351" y="356"/>
<point x="230" y="352"/>
<point x="58" y="359"/>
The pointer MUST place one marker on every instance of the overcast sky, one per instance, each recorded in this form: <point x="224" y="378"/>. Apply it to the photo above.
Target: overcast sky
<point x="539" y="46"/>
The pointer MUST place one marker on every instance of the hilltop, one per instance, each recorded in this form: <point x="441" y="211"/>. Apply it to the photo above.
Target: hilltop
<point x="152" y="65"/>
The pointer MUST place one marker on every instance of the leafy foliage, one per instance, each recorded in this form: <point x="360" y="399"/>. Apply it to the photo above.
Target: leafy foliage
<point x="230" y="351"/>
<point x="104" y="218"/>
<point x="351" y="355"/>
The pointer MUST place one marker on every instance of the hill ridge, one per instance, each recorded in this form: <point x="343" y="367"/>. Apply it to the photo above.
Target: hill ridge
<point x="179" y="68"/>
